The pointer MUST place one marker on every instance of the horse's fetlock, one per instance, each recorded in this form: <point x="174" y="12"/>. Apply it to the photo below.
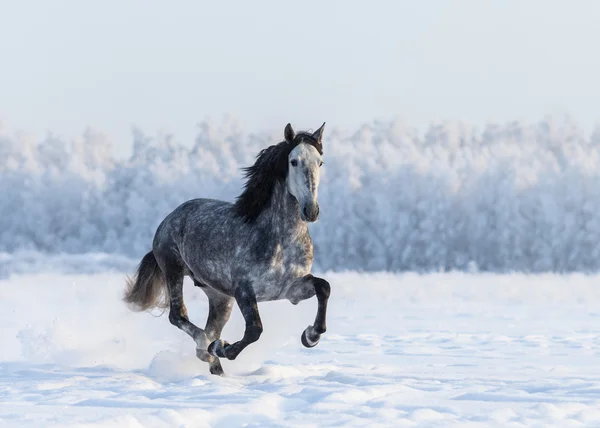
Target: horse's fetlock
<point x="320" y="329"/>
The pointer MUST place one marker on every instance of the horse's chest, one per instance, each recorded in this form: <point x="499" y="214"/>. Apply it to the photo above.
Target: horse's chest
<point x="287" y="263"/>
<point x="291" y="258"/>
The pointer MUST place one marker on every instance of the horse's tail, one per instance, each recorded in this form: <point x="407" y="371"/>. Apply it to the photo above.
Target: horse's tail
<point x="147" y="289"/>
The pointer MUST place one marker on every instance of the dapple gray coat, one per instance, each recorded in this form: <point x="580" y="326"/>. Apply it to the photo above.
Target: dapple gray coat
<point x="256" y="249"/>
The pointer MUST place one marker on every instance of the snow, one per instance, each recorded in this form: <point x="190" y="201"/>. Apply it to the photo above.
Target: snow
<point x="441" y="349"/>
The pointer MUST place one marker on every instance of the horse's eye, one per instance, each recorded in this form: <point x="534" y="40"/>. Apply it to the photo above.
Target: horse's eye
<point x="321" y="163"/>
<point x="294" y="162"/>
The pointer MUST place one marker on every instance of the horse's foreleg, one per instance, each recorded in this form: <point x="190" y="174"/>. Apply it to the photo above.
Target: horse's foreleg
<point x="219" y="311"/>
<point x="305" y="289"/>
<point x="313" y="333"/>
<point x="246" y="300"/>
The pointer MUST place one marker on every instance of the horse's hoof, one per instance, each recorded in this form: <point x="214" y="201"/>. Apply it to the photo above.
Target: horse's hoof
<point x="309" y="337"/>
<point x="216" y="369"/>
<point x="217" y="348"/>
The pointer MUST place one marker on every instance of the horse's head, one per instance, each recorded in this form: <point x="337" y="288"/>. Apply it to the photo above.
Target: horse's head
<point x="304" y="162"/>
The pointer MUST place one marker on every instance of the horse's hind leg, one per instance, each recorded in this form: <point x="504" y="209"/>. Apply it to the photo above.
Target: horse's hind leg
<point x="219" y="311"/>
<point x="178" y="313"/>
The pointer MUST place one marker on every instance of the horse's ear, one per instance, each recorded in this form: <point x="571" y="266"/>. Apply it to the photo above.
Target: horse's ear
<point x="318" y="134"/>
<point x="289" y="133"/>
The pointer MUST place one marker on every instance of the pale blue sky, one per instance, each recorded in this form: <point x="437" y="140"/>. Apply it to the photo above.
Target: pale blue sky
<point x="165" y="65"/>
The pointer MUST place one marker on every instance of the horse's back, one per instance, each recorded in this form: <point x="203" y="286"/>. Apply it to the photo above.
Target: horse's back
<point x="194" y="220"/>
<point x="198" y="233"/>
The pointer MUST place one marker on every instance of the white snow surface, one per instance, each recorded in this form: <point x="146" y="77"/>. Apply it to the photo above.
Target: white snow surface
<point x="448" y="349"/>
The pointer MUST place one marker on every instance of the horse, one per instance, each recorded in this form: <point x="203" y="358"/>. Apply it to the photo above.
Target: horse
<point x="255" y="249"/>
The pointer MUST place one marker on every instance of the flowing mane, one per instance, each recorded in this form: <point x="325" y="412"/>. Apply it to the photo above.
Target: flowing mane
<point x="270" y="167"/>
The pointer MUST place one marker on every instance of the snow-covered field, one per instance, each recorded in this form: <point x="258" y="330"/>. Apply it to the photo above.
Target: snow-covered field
<point x="409" y="350"/>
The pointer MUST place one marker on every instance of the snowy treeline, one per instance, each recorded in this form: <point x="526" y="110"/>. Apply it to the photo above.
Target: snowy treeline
<point x="508" y="197"/>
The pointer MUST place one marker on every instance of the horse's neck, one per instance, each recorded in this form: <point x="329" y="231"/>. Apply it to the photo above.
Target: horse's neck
<point x="283" y="213"/>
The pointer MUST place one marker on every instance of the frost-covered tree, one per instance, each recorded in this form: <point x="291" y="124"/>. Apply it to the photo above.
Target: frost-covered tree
<point x="511" y="196"/>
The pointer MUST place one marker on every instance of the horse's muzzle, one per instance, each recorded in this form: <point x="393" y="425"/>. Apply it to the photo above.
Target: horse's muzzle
<point x="310" y="213"/>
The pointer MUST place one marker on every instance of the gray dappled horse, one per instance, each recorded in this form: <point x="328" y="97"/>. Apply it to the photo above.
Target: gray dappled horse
<point x="254" y="250"/>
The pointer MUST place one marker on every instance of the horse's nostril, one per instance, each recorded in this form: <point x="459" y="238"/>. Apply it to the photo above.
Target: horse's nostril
<point x="305" y="211"/>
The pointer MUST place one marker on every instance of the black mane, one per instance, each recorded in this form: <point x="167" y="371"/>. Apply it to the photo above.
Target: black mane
<point x="270" y="167"/>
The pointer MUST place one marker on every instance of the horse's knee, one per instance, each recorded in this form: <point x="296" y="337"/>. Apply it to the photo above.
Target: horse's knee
<point x="322" y="288"/>
<point x="253" y="332"/>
